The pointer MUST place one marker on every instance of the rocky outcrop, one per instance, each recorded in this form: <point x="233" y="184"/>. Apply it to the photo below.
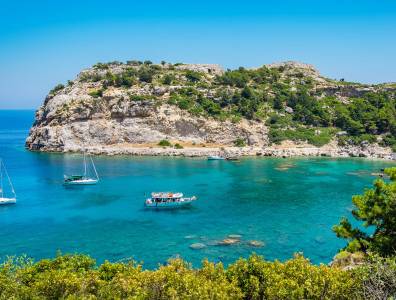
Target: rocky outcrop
<point x="124" y="117"/>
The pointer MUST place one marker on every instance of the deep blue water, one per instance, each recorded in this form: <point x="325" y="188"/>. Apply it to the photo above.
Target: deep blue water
<point x="289" y="204"/>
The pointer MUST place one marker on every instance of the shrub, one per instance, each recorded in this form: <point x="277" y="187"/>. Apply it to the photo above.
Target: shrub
<point x="57" y="88"/>
<point x="101" y="66"/>
<point x="309" y="135"/>
<point x="389" y="141"/>
<point x="133" y="97"/>
<point x="96" y="93"/>
<point x="296" y="278"/>
<point x="164" y="143"/>
<point x="167" y="79"/>
<point x="145" y="75"/>
<point x="193" y="76"/>
<point x="239" y="142"/>
<point x="178" y="146"/>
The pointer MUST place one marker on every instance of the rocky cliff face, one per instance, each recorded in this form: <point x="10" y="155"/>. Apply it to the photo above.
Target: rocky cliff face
<point x="135" y="105"/>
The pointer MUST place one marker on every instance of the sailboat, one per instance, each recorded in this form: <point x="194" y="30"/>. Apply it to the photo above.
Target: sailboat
<point x="83" y="179"/>
<point x="4" y="176"/>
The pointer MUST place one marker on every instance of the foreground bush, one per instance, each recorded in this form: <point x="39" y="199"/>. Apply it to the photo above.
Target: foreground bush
<point x="77" y="277"/>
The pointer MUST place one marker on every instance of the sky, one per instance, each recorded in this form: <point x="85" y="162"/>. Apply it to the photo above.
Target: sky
<point x="43" y="43"/>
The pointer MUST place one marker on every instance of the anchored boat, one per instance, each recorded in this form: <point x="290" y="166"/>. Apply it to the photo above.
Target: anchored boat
<point x="83" y="179"/>
<point x="215" y="157"/>
<point x="4" y="199"/>
<point x="167" y="199"/>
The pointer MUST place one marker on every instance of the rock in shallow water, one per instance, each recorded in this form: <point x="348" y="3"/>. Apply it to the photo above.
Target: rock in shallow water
<point x="197" y="246"/>
<point x="228" y="241"/>
<point x="190" y="236"/>
<point x="255" y="243"/>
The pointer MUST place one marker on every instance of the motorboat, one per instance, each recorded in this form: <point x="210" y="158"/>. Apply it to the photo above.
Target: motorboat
<point x="168" y="199"/>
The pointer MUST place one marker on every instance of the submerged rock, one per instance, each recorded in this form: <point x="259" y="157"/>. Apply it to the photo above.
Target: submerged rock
<point x="228" y="241"/>
<point x="189" y="237"/>
<point x="197" y="246"/>
<point x="255" y="243"/>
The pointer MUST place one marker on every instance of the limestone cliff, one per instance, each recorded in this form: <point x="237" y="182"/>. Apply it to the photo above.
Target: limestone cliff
<point x="113" y="107"/>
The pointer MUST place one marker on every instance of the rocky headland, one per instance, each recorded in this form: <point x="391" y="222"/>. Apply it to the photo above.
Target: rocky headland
<point x="141" y="108"/>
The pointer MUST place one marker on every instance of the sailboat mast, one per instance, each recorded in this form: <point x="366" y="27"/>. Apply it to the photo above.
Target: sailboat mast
<point x="93" y="165"/>
<point x="1" y="178"/>
<point x="85" y="166"/>
<point x="9" y="181"/>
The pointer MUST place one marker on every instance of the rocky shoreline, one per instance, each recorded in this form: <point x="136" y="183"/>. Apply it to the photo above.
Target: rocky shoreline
<point x="271" y="151"/>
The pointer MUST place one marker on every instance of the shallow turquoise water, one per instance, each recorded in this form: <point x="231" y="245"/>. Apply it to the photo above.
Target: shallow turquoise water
<point x="289" y="204"/>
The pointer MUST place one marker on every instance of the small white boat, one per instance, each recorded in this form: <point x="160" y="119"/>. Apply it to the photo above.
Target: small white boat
<point x="216" y="157"/>
<point x="167" y="199"/>
<point x="4" y="199"/>
<point x="82" y="179"/>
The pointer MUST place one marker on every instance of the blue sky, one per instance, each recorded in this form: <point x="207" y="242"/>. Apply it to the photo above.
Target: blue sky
<point x="44" y="42"/>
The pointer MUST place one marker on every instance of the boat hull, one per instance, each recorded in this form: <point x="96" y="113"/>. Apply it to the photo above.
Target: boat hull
<point x="174" y="204"/>
<point x="82" y="182"/>
<point x="216" y="157"/>
<point x="5" y="201"/>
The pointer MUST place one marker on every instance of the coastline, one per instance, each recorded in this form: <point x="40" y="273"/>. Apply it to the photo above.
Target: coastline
<point x="287" y="149"/>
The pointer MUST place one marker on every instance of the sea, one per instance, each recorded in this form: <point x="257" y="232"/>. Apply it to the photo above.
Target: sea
<point x="287" y="206"/>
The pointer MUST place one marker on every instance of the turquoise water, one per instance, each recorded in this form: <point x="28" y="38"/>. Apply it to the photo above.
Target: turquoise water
<point x="289" y="204"/>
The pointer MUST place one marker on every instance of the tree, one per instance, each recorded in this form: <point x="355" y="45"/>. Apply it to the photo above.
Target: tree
<point x="377" y="209"/>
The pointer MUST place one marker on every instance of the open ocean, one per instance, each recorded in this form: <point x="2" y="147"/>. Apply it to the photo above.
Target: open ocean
<point x="288" y="204"/>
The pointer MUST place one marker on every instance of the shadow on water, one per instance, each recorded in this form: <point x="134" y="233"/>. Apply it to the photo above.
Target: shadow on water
<point x="170" y="210"/>
<point x="95" y="199"/>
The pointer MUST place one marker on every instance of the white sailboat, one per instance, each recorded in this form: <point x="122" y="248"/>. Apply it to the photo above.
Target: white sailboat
<point x="83" y="179"/>
<point x="4" y="199"/>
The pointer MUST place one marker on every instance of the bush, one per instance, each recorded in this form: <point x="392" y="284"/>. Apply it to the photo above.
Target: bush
<point x="296" y="278"/>
<point x="389" y="141"/>
<point x="57" y="88"/>
<point x="139" y="97"/>
<point x="239" y="142"/>
<point x="145" y="75"/>
<point x="309" y="135"/>
<point x="178" y="146"/>
<point x="164" y="143"/>
<point x="101" y="66"/>
<point x="77" y="277"/>
<point x="167" y="79"/>
<point x="193" y="76"/>
<point x="96" y="93"/>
